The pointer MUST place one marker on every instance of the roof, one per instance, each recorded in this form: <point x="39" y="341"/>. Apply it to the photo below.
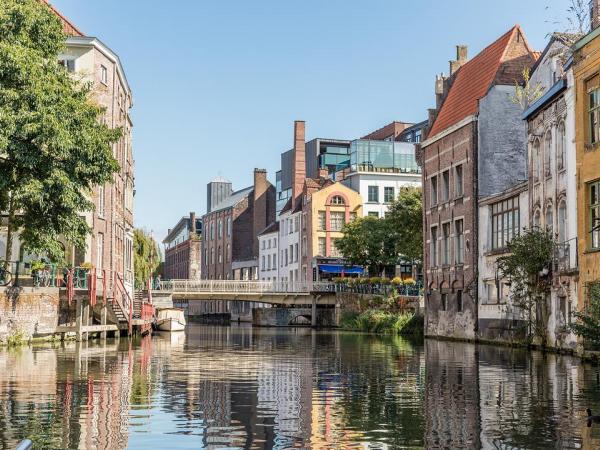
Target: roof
<point x="391" y="129"/>
<point x="566" y="39"/>
<point x="272" y="228"/>
<point x="183" y="222"/>
<point x="494" y="64"/>
<point x="549" y="95"/>
<point x="288" y="206"/>
<point x="233" y="199"/>
<point x="68" y="26"/>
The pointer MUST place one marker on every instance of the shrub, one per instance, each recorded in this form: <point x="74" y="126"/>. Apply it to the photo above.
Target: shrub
<point x="409" y="282"/>
<point x="384" y="322"/>
<point x="396" y="281"/>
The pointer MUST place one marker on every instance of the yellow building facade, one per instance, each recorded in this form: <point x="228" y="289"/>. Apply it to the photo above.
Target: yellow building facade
<point x="326" y="210"/>
<point x="586" y="72"/>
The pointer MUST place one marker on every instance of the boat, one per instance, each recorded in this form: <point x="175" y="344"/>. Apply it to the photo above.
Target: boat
<point x="170" y="319"/>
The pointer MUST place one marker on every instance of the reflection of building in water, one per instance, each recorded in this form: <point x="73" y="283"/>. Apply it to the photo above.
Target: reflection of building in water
<point x="451" y="395"/>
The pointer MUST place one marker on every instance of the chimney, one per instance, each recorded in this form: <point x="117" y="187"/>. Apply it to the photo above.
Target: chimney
<point x="440" y="90"/>
<point x="461" y="58"/>
<point x="298" y="160"/>
<point x="594" y="14"/>
<point x="431" y="114"/>
<point x="192" y="223"/>
<point x="261" y="206"/>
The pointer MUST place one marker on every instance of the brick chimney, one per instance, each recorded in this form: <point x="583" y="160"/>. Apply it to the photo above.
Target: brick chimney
<point x="260" y="217"/>
<point x="594" y="14"/>
<point x="298" y="160"/>
<point x="192" y="223"/>
<point x="461" y="58"/>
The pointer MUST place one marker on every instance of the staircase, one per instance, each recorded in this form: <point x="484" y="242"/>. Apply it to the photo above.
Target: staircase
<point x="138" y="299"/>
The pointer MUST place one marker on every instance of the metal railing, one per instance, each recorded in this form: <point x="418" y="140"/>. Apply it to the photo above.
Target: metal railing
<point x="245" y="287"/>
<point x="566" y="256"/>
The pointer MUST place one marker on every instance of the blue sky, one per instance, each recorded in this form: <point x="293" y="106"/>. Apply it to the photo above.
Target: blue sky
<point x="217" y="84"/>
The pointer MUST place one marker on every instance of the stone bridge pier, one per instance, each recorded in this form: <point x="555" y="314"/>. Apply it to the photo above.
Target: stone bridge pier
<point x="317" y="316"/>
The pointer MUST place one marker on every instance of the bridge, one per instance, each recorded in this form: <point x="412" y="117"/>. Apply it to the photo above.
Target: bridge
<point x="272" y="292"/>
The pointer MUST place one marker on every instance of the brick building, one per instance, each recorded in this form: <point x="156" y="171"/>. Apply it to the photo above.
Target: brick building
<point x="110" y="245"/>
<point x="475" y="146"/>
<point x="183" y="250"/>
<point x="231" y="231"/>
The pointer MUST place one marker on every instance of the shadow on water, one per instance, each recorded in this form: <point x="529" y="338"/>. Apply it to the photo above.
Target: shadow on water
<point x="242" y="387"/>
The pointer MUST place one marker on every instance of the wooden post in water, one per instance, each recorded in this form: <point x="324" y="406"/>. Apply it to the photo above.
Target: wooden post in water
<point x="103" y="313"/>
<point x="313" y="313"/>
<point x="78" y="318"/>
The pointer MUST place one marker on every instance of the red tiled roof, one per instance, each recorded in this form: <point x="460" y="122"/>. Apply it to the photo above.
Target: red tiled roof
<point x="495" y="63"/>
<point x="68" y="26"/>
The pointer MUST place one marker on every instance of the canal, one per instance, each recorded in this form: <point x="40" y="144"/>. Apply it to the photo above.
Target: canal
<point x="242" y="387"/>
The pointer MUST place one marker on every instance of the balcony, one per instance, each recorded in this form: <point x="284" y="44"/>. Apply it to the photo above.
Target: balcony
<point x="565" y="257"/>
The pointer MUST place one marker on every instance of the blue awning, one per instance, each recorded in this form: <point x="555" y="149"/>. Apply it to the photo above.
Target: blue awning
<point x="338" y="268"/>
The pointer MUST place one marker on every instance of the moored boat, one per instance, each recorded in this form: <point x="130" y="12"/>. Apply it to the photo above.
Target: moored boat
<point x="170" y="319"/>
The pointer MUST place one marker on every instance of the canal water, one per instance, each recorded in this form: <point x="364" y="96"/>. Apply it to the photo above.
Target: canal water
<point x="241" y="387"/>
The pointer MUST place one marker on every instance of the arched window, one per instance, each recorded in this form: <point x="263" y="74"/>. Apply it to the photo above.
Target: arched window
<point x="549" y="218"/>
<point x="547" y="153"/>
<point x="337" y="200"/>
<point x="220" y="256"/>
<point x="227" y="254"/>
<point x="562" y="221"/>
<point x="536" y="219"/>
<point x="535" y="161"/>
<point x="560" y="146"/>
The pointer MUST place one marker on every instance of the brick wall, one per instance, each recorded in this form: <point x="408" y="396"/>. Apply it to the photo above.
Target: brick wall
<point x="29" y="311"/>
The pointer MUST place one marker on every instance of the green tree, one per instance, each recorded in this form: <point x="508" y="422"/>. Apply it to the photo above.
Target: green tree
<point x="367" y="242"/>
<point x="587" y="322"/>
<point x="405" y="220"/>
<point x="53" y="147"/>
<point x="146" y="256"/>
<point x="528" y="268"/>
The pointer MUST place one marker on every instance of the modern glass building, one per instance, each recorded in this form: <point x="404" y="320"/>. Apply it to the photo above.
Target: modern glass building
<point x="383" y="156"/>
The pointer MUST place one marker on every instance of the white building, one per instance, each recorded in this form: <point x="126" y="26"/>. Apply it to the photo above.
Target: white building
<point x="268" y="251"/>
<point x="290" y="228"/>
<point x="553" y="178"/>
<point x="378" y="170"/>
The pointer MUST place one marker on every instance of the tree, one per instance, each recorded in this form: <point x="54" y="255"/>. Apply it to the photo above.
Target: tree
<point x="53" y="147"/>
<point x="587" y="322"/>
<point x="146" y="256"/>
<point x="405" y="220"/>
<point x="528" y="269"/>
<point x="526" y="93"/>
<point x="366" y="242"/>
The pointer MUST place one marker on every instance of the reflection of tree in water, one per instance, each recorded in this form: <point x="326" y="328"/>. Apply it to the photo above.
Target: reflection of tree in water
<point x="385" y="377"/>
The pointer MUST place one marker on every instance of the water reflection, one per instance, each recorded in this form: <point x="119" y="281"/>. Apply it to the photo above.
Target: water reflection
<point x="221" y="387"/>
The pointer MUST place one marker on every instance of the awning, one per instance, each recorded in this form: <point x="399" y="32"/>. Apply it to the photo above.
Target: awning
<point x="337" y="268"/>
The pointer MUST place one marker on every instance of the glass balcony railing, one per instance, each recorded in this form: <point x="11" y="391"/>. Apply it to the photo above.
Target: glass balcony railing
<point x="383" y="156"/>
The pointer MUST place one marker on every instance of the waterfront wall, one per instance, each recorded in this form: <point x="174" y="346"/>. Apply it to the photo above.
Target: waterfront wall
<point x="29" y="312"/>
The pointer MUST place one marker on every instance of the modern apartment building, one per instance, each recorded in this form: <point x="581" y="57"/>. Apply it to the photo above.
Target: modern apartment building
<point x="231" y="228"/>
<point x="183" y="250"/>
<point x="475" y="148"/>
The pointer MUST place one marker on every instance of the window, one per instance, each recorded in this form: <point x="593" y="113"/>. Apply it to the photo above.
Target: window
<point x="220" y="232"/>
<point x="446" y="244"/>
<point x="269" y="267"/>
<point x="220" y="255"/>
<point x="291" y="254"/>
<point x="296" y="252"/>
<point x="505" y="222"/>
<point x="373" y="214"/>
<point x="388" y="194"/>
<point x="103" y="75"/>
<point x="297" y="224"/>
<point x="459" y="301"/>
<point x="274" y="260"/>
<point x="594" y="200"/>
<point x="593" y="109"/>
<point x="335" y="252"/>
<point x="337" y="200"/>
<point x="227" y="258"/>
<point x="100" y="251"/>
<point x="374" y="194"/>
<point x="536" y="163"/>
<point x="562" y="221"/>
<point x="337" y="219"/>
<point x="303" y="245"/>
<point x="286" y="257"/>
<point x="322" y="220"/>
<point x="263" y="262"/>
<point x="547" y="154"/>
<point x="434" y="193"/>
<point x="458" y="181"/>
<point x="459" y="242"/>
<point x="446" y="186"/>
<point x="444" y="302"/>
<point x="433" y="243"/>
<point x="212" y="231"/>
<point x="101" y="200"/>
<point x="560" y="147"/>
<point x="322" y="246"/>
<point x="229" y="226"/>
<point x="549" y="219"/>
<point x="536" y="219"/>
<point x="212" y="255"/>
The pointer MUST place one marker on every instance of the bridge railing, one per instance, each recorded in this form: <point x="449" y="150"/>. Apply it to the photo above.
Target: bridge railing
<point x="245" y="287"/>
